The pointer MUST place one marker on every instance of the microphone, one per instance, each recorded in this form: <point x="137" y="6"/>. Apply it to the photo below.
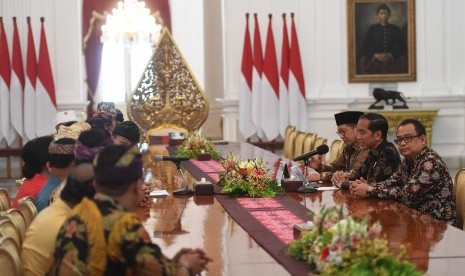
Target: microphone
<point x="345" y="185"/>
<point x="319" y="150"/>
<point x="176" y="159"/>
<point x="172" y="158"/>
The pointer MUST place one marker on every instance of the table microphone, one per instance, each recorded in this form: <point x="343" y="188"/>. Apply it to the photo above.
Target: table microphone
<point x="345" y="185"/>
<point x="319" y="150"/>
<point x="172" y="158"/>
<point x="176" y="160"/>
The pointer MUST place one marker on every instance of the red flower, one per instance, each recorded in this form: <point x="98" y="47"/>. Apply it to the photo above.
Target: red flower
<point x="325" y="253"/>
<point x="70" y="229"/>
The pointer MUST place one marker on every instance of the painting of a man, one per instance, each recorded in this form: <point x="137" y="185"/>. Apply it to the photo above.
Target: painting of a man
<point x="383" y="47"/>
<point x="381" y="40"/>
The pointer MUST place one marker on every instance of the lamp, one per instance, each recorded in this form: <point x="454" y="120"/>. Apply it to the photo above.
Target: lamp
<point x="129" y="23"/>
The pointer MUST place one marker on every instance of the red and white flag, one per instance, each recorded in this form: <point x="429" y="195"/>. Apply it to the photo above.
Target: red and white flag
<point x="245" y="86"/>
<point x="30" y="86"/>
<point x="257" y="79"/>
<point x="270" y="88"/>
<point x="46" y="106"/>
<point x="17" y="83"/>
<point x="284" y="82"/>
<point x="297" y="97"/>
<point x="6" y="129"/>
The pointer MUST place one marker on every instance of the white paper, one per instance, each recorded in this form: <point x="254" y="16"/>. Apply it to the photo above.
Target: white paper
<point x="159" y="193"/>
<point x="331" y="188"/>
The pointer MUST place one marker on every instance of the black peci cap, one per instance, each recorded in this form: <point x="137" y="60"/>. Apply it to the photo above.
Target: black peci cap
<point x="347" y="117"/>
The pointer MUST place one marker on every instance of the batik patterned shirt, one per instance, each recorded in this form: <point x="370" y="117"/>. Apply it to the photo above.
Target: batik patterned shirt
<point x="101" y="238"/>
<point x="424" y="184"/>
<point x="349" y="161"/>
<point x="381" y="163"/>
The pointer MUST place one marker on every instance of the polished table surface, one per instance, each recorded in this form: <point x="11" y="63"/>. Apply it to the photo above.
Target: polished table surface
<point x="200" y="221"/>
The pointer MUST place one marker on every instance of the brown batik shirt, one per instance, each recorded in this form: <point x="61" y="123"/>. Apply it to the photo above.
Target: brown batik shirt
<point x="424" y="184"/>
<point x="349" y="160"/>
<point x="381" y="163"/>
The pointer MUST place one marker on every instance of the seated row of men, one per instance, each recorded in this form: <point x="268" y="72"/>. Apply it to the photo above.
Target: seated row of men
<point x="89" y="227"/>
<point x="371" y="167"/>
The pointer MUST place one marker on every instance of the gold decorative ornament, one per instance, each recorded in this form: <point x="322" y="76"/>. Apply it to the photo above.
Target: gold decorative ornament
<point x="168" y="93"/>
<point x="426" y="116"/>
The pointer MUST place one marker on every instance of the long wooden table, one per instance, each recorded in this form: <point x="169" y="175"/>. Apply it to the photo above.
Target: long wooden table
<point x="200" y="221"/>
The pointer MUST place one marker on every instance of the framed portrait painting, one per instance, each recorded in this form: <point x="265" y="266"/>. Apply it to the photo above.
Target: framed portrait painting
<point x="381" y="40"/>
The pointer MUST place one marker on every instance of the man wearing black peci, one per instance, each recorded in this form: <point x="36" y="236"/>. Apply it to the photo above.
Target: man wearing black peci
<point x="349" y="161"/>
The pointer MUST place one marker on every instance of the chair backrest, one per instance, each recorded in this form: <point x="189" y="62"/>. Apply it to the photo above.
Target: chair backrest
<point x="335" y="149"/>
<point x="28" y="209"/>
<point x="460" y="196"/>
<point x="19" y="223"/>
<point x="5" y="202"/>
<point x="287" y="141"/>
<point x="8" y="229"/>
<point x="163" y="131"/>
<point x="299" y="143"/>
<point x="10" y="261"/>
<point x="289" y="147"/>
<point x="320" y="141"/>
<point x="309" y="143"/>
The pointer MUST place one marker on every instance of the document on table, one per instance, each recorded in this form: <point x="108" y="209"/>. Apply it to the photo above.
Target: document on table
<point x="159" y="193"/>
<point x="331" y="188"/>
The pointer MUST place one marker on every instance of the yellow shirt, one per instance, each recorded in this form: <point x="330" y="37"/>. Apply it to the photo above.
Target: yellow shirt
<point x="41" y="237"/>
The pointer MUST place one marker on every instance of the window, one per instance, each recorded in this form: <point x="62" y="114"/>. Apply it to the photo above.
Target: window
<point x="121" y="69"/>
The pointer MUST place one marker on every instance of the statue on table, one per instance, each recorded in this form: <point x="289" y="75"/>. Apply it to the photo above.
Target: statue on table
<point x="382" y="95"/>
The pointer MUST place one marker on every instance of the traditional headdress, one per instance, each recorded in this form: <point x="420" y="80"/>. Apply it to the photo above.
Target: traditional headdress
<point x="127" y="168"/>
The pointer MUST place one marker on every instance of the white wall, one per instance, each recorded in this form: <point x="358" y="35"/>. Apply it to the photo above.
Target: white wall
<point x="63" y="30"/>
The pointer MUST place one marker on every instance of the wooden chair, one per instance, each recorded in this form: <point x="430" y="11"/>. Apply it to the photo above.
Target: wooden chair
<point x="289" y="148"/>
<point x="287" y="140"/>
<point x="299" y="143"/>
<point x="19" y="222"/>
<point x="10" y="261"/>
<point x="309" y="143"/>
<point x="320" y="141"/>
<point x="335" y="149"/>
<point x="460" y="196"/>
<point x="163" y="131"/>
<point x="8" y="229"/>
<point x="28" y="209"/>
<point x="5" y="202"/>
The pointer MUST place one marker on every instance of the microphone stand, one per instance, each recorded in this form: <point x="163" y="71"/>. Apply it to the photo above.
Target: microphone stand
<point x="186" y="190"/>
<point x="305" y="185"/>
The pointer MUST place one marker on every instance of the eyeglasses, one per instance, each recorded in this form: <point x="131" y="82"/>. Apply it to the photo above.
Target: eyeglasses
<point x="342" y="133"/>
<point x="406" y="139"/>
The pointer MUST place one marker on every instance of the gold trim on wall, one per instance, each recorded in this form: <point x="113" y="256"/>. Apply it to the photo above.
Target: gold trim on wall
<point x="426" y="116"/>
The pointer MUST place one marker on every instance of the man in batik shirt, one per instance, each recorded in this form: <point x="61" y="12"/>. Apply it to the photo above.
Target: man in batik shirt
<point x="352" y="156"/>
<point x="383" y="158"/>
<point x="104" y="236"/>
<point x="422" y="182"/>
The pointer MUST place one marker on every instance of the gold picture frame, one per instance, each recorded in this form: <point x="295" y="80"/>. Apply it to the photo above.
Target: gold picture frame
<point x="381" y="52"/>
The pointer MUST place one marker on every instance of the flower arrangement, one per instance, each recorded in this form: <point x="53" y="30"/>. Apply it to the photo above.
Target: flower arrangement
<point x="195" y="144"/>
<point x="247" y="178"/>
<point x="339" y="245"/>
